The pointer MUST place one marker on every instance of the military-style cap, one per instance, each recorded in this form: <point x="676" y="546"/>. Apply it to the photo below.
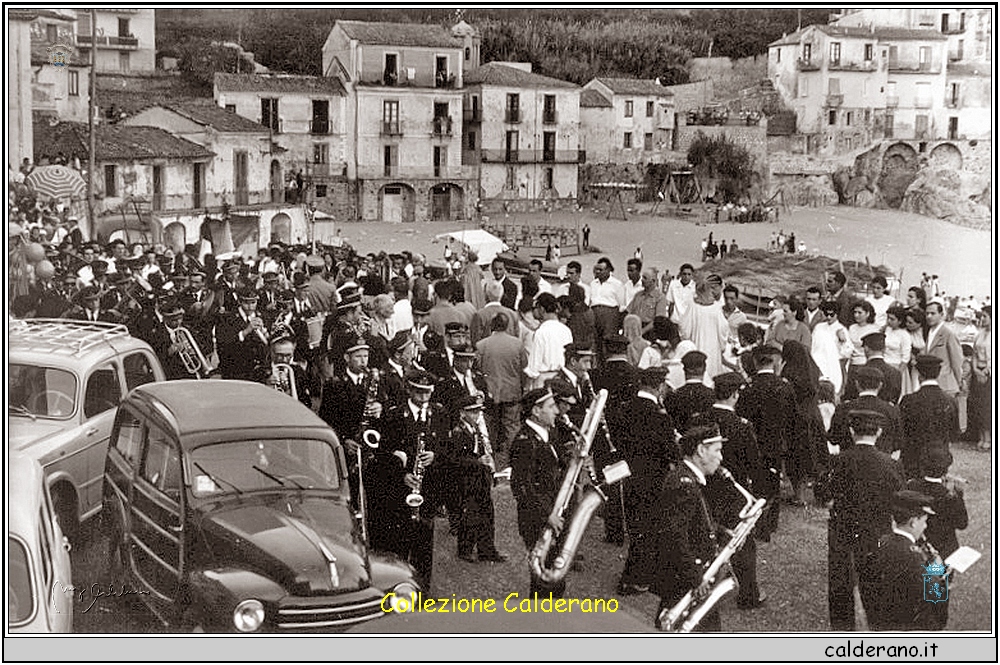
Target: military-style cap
<point x="400" y="341"/>
<point x="99" y="267"/>
<point x="171" y="307"/>
<point x="300" y="280"/>
<point x="928" y="365"/>
<point x="704" y="434"/>
<point x="765" y="352"/>
<point x="868" y="374"/>
<point x="270" y="275"/>
<point x="286" y="295"/>
<point x="465" y="351"/>
<point x="350" y="301"/>
<point x="454" y="327"/>
<point x="420" y="380"/>
<point x="729" y="380"/>
<point x="874" y="341"/>
<point x="653" y="377"/>
<point x="536" y="396"/>
<point x="912" y="503"/>
<point x="246" y="293"/>
<point x="693" y="360"/>
<point x="562" y="390"/>
<point x="282" y="333"/>
<point x="315" y="261"/>
<point x="469" y="402"/>
<point x="352" y="343"/>
<point x="935" y="461"/>
<point x="615" y="343"/>
<point x="577" y="350"/>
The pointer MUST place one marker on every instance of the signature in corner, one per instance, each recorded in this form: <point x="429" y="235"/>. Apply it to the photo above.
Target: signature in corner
<point x="96" y="591"/>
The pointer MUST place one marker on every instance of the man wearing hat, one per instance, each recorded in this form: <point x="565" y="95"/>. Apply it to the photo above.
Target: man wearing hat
<point x="396" y="526"/>
<point x="930" y="416"/>
<point x="163" y="338"/>
<point x="55" y="301"/>
<point x="347" y="323"/>
<point x="461" y="380"/>
<point x="862" y="482"/>
<point x="241" y="339"/>
<point x="892" y="380"/>
<point x="694" y="396"/>
<point x="225" y="299"/>
<point x="421" y="310"/>
<point x="576" y="373"/>
<point x="868" y="382"/>
<point x="650" y="447"/>
<point x="283" y="353"/>
<point x="469" y="455"/>
<point x="89" y="307"/>
<point x="267" y="298"/>
<point x="401" y="355"/>
<point x="903" y="575"/>
<point x="537" y="474"/>
<point x="347" y="396"/>
<point x="685" y="532"/>
<point x="949" y="500"/>
<point x="743" y="460"/>
<point x="439" y="362"/>
<point x="769" y="404"/>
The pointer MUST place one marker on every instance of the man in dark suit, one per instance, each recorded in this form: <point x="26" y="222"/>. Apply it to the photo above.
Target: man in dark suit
<point x="650" y="447"/>
<point x="694" y="396"/>
<point x="510" y="288"/>
<point x="930" y="417"/>
<point x="837" y="291"/>
<point x="868" y="382"/>
<point x="502" y="359"/>
<point x="90" y="309"/>
<point x="461" y="381"/>
<point x="814" y="314"/>
<point x="742" y="458"/>
<point x="576" y="373"/>
<point x="161" y="338"/>
<point x="283" y="353"/>
<point x="241" y="339"/>
<point x="537" y="475"/>
<point x="267" y="299"/>
<point x="892" y="380"/>
<point x="894" y="591"/>
<point x="401" y="349"/>
<point x="685" y="534"/>
<point x="769" y="404"/>
<point x="861" y="485"/>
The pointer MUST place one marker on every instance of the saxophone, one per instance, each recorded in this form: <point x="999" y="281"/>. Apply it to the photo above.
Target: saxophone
<point x="415" y="499"/>
<point x="593" y="497"/>
<point x="692" y="608"/>
<point x="371" y="437"/>
<point x="605" y="432"/>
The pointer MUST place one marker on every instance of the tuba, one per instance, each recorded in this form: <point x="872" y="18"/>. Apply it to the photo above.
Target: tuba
<point x="370" y="436"/>
<point x="284" y="379"/>
<point x="691" y="609"/>
<point x="593" y="497"/>
<point x="415" y="499"/>
<point x="194" y="360"/>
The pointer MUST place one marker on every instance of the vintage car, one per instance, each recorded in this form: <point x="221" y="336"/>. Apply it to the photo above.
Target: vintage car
<point x="65" y="379"/>
<point x="228" y="509"/>
<point x="39" y="581"/>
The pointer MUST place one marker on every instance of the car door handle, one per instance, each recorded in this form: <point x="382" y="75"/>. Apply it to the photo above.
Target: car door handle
<point x="92" y="431"/>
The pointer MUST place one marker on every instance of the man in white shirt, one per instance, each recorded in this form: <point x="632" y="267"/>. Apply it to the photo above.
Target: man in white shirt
<point x="573" y="273"/>
<point x="633" y="284"/>
<point x="607" y="300"/>
<point x="680" y="293"/>
<point x="547" y="354"/>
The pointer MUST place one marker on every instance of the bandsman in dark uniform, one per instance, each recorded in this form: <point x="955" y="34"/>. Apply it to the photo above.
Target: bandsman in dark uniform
<point x="396" y="526"/>
<point x="162" y="336"/>
<point x="904" y="573"/>
<point x="579" y="361"/>
<point x="283" y="353"/>
<point x="651" y="450"/>
<point x="685" y="535"/>
<point x="439" y="362"/>
<point x="869" y="383"/>
<point x="948" y="493"/>
<point x="469" y="451"/>
<point x="267" y="299"/>
<point x="862" y="482"/>
<point x="345" y="325"/>
<point x="89" y="307"/>
<point x="242" y="339"/>
<point x="930" y="417"/>
<point x="226" y="288"/>
<point x="399" y="364"/>
<point x="769" y="404"/>
<point x="743" y="461"/>
<point x="536" y="474"/>
<point x="694" y="396"/>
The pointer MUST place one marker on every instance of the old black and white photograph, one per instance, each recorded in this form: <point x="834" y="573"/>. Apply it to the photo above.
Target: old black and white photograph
<point x="509" y="321"/>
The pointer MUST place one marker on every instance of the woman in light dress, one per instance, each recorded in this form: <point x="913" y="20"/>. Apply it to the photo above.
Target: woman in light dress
<point x="898" y="345"/>
<point x="831" y="345"/>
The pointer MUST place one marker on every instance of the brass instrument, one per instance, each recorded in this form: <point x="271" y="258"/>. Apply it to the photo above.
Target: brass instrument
<point x="284" y="379"/>
<point x="481" y="436"/>
<point x="259" y="328"/>
<point x="692" y="608"/>
<point x="593" y="497"/>
<point x="415" y="499"/>
<point x="371" y="437"/>
<point x="192" y="357"/>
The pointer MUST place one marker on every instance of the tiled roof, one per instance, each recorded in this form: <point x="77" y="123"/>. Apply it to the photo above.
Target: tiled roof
<point x="399" y="34"/>
<point x="861" y="32"/>
<point x="40" y="55"/>
<point x="114" y="143"/>
<point x="497" y="74"/>
<point x="636" y="87"/>
<point x="205" y="112"/>
<point x="592" y="98"/>
<point x="969" y="69"/>
<point x="313" y="85"/>
<point x="15" y="14"/>
<point x="131" y="94"/>
<point x="792" y="38"/>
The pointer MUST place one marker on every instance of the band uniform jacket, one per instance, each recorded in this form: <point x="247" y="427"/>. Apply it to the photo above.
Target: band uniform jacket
<point x="343" y="405"/>
<point x="648" y="444"/>
<point x="892" y="425"/>
<point x="892" y="382"/>
<point x="740" y="453"/>
<point x="267" y="306"/>
<point x="685" y="536"/>
<point x="893" y="588"/>
<point x="689" y="399"/>
<point x="239" y="359"/>
<point x="473" y="481"/>
<point x="303" y="383"/>
<point x="536" y="476"/>
<point x="449" y="390"/>
<point x="396" y="389"/>
<point x="949" y="504"/>
<point x="620" y="379"/>
<point x="160" y="339"/>
<point x="768" y="402"/>
<point x="862" y="483"/>
<point x="930" y="418"/>
<point x="103" y="315"/>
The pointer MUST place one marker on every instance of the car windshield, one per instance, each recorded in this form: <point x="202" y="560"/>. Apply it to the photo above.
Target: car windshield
<point x="266" y="464"/>
<point x="20" y="603"/>
<point x="41" y="391"/>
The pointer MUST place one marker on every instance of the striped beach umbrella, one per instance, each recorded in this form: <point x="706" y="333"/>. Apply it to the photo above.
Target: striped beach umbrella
<point x="57" y="182"/>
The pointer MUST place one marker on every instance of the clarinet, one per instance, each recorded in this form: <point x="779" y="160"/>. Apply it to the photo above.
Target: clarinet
<point x="415" y="498"/>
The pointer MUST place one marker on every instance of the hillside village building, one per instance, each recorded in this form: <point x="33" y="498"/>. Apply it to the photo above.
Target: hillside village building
<point x="641" y="124"/>
<point x="125" y="39"/>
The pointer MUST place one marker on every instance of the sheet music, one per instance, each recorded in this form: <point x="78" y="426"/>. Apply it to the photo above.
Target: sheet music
<point x="962" y="558"/>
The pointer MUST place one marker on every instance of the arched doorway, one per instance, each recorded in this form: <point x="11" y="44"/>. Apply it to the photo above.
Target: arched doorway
<point x="277" y="184"/>
<point x="175" y="236"/>
<point x="281" y="228"/>
<point x="899" y="169"/>
<point x="946" y="155"/>
<point x="446" y="202"/>
<point x="397" y="203"/>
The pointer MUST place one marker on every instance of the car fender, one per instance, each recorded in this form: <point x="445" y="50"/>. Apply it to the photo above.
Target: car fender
<point x="213" y="594"/>
<point x="388" y="571"/>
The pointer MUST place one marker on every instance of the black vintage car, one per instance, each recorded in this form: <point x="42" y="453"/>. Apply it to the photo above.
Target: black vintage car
<point x="229" y="510"/>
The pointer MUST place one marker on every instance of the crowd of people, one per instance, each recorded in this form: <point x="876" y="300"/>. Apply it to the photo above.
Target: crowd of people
<point x="477" y="380"/>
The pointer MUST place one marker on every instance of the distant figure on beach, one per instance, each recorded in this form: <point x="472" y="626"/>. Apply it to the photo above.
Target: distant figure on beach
<point x="638" y="253"/>
<point x="791" y="243"/>
<point x="586" y="236"/>
<point x="733" y="246"/>
<point x="723" y="248"/>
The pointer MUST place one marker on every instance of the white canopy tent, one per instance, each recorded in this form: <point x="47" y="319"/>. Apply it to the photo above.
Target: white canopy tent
<point x="485" y="244"/>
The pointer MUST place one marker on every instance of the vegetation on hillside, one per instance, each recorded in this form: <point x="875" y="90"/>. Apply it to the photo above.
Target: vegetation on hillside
<point x="726" y="162"/>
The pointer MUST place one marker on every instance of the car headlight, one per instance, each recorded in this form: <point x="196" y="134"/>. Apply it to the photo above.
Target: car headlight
<point x="248" y="615"/>
<point x="404" y="595"/>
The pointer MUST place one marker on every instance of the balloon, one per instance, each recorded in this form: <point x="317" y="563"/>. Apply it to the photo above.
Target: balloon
<point x="45" y="270"/>
<point x="14" y="229"/>
<point x="34" y="252"/>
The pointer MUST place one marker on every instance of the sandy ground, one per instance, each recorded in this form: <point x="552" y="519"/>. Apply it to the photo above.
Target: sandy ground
<point x="908" y="243"/>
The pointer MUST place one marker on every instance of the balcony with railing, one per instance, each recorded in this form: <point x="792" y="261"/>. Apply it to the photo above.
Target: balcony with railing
<point x="834" y="101"/>
<point x="550" y="117"/>
<point x="319" y="127"/>
<point x="391" y="128"/>
<point x="807" y="65"/>
<point x="922" y="103"/>
<point x="444" y="80"/>
<point x="533" y="156"/>
<point x="854" y="66"/>
<point x="914" y="67"/>
<point x="472" y="115"/>
<point x="108" y="41"/>
<point x="441" y="126"/>
<point x="512" y="115"/>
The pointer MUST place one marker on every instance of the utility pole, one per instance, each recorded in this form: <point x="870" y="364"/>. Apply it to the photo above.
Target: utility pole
<point x="91" y="109"/>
